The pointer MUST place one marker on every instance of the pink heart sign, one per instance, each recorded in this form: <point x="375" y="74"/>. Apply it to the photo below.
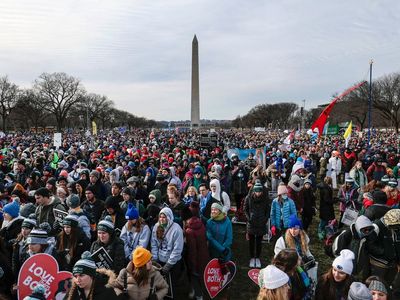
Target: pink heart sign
<point x="42" y="269"/>
<point x="218" y="275"/>
<point x="253" y="274"/>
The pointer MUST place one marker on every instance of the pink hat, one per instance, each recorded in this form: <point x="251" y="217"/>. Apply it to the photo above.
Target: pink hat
<point x="64" y="173"/>
<point x="282" y="189"/>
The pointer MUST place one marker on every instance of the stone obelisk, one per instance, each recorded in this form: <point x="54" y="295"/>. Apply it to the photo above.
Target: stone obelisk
<point x="195" y="107"/>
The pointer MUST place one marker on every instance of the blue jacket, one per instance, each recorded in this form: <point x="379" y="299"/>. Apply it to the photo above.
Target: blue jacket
<point x="282" y="212"/>
<point x="219" y="236"/>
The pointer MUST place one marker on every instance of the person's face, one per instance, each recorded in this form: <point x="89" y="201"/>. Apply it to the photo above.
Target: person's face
<point x="307" y="186"/>
<point x="115" y="190"/>
<point x="79" y="188"/>
<point x="203" y="191"/>
<point x="358" y="166"/>
<point x="191" y="192"/>
<point x="35" y="248"/>
<point x="25" y="231"/>
<point x="7" y="217"/>
<point x="295" y="231"/>
<point x="213" y="188"/>
<point x="162" y="219"/>
<point x="125" y="196"/>
<point x="61" y="194"/>
<point x="197" y="175"/>
<point x="131" y="222"/>
<point x="89" y="195"/>
<point x="164" y="172"/>
<point x="258" y="194"/>
<point x="338" y="275"/>
<point x="39" y="199"/>
<point x="67" y="229"/>
<point x="152" y="199"/>
<point x="83" y="280"/>
<point x="48" y="186"/>
<point x="215" y="212"/>
<point x="93" y="179"/>
<point x="149" y="265"/>
<point x="62" y="183"/>
<point x="110" y="210"/>
<point x="378" y="295"/>
<point x="103" y="236"/>
<point x="172" y="199"/>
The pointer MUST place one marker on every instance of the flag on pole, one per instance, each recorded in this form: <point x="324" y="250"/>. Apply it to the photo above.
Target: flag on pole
<point x="325" y="131"/>
<point x="347" y="133"/>
<point x="318" y="125"/>
<point x="288" y="140"/>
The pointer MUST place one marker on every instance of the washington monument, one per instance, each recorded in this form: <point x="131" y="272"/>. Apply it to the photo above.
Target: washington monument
<point x="195" y="107"/>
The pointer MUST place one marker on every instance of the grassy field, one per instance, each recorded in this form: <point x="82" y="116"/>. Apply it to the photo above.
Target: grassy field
<point x="242" y="287"/>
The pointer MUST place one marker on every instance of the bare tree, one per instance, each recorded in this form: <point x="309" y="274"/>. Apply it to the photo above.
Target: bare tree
<point x="29" y="108"/>
<point x="59" y="93"/>
<point x="8" y="98"/>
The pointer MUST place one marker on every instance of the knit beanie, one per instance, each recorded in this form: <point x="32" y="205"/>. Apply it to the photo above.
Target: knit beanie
<point x="73" y="201"/>
<point x="218" y="206"/>
<point x="90" y="188"/>
<point x="131" y="212"/>
<point x="39" y="235"/>
<point x="112" y="202"/>
<point x="156" y="193"/>
<point x="27" y="209"/>
<point x="376" y="285"/>
<point x="71" y="220"/>
<point x="85" y="265"/>
<point x="282" y="189"/>
<point x="12" y="209"/>
<point x="43" y="192"/>
<point x="186" y="213"/>
<point x="38" y="293"/>
<point x="29" y="222"/>
<point x="258" y="187"/>
<point x="140" y="257"/>
<point x="106" y="225"/>
<point x="344" y="262"/>
<point x="95" y="174"/>
<point x="393" y="182"/>
<point x="295" y="222"/>
<point x="358" y="291"/>
<point x="273" y="278"/>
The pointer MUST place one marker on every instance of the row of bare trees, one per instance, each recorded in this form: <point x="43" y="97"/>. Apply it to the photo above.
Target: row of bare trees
<point x="61" y="100"/>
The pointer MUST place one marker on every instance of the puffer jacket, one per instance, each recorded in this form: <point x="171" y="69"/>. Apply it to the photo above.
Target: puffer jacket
<point x="280" y="213"/>
<point x="257" y="211"/>
<point x="219" y="235"/>
<point x="102" y="290"/>
<point x="115" y="248"/>
<point x="169" y="248"/>
<point x="142" y="292"/>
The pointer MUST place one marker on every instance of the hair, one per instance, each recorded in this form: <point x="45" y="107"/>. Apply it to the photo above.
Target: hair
<point x="291" y="243"/>
<point x="192" y="187"/>
<point x="328" y="180"/>
<point x="68" y="242"/>
<point x="74" y="287"/>
<point x="141" y="275"/>
<point x="286" y="260"/>
<point x="370" y="186"/>
<point x="279" y="293"/>
<point x="43" y="192"/>
<point x="138" y="225"/>
<point x="203" y="185"/>
<point x="171" y="189"/>
<point x="376" y="278"/>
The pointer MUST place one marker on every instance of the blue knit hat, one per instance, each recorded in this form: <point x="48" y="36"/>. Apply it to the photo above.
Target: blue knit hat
<point x="12" y="209"/>
<point x="295" y="222"/>
<point x="131" y="213"/>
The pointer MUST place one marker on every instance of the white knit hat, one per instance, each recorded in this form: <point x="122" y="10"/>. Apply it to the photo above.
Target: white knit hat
<point x="344" y="262"/>
<point x="273" y="278"/>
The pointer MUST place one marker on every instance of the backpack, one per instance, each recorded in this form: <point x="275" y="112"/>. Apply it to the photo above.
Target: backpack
<point x="332" y="233"/>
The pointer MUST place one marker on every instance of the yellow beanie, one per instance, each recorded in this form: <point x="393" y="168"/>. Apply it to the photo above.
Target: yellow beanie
<point x="140" y="257"/>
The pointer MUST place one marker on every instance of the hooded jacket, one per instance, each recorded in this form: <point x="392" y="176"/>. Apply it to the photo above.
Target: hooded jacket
<point x="44" y="213"/>
<point x="220" y="195"/>
<point x="219" y="235"/>
<point x="169" y="248"/>
<point x="196" y="241"/>
<point x="141" y="292"/>
<point x="102" y="287"/>
<point x="133" y="239"/>
<point x="153" y="209"/>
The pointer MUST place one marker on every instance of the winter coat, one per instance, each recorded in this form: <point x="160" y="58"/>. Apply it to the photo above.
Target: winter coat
<point x="169" y="248"/>
<point x="196" y="242"/>
<point x="326" y="209"/>
<point x="44" y="213"/>
<point x="376" y="211"/>
<point x="219" y="236"/>
<point x="133" y="239"/>
<point x="96" y="209"/>
<point x="281" y="244"/>
<point x="118" y="218"/>
<point x="114" y="248"/>
<point x="348" y="198"/>
<point x="83" y="221"/>
<point x="10" y="232"/>
<point x="390" y="249"/>
<point x="102" y="287"/>
<point x="141" y="292"/>
<point x="375" y="172"/>
<point x="100" y="190"/>
<point x="151" y="214"/>
<point x="205" y="207"/>
<point x="257" y="211"/>
<point x="281" y="211"/>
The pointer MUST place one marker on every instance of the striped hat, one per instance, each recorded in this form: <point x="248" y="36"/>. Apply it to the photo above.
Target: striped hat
<point x="85" y="265"/>
<point x="106" y="225"/>
<point x="29" y="222"/>
<point x="70" y="220"/>
<point x="38" y="235"/>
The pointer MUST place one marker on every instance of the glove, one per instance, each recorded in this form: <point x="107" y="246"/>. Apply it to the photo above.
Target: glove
<point x="165" y="269"/>
<point x="225" y="252"/>
<point x="273" y="230"/>
<point x="57" y="226"/>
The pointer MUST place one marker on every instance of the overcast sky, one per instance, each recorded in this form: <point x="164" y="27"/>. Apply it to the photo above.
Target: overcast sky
<point x="138" y="53"/>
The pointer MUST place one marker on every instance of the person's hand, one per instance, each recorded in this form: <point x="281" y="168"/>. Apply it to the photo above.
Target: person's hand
<point x="273" y="230"/>
<point x="165" y="269"/>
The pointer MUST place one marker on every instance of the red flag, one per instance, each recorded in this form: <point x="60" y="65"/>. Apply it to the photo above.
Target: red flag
<point x="320" y="122"/>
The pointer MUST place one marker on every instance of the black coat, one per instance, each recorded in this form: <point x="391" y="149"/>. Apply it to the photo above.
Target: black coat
<point x="10" y="233"/>
<point x="96" y="210"/>
<point x="115" y="248"/>
<point x="376" y="211"/>
<point x="326" y="210"/>
<point x="257" y="211"/>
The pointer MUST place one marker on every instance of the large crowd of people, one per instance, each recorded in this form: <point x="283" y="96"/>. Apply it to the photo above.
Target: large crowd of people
<point x="162" y="206"/>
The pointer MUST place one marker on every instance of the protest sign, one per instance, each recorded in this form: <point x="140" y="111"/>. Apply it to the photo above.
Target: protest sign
<point x="102" y="259"/>
<point x="253" y="274"/>
<point x="59" y="215"/>
<point x="218" y="275"/>
<point x="42" y="269"/>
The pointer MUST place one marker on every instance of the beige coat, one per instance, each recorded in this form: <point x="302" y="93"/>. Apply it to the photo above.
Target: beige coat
<point x="134" y="291"/>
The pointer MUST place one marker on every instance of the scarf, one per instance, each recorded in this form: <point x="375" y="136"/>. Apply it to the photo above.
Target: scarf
<point x="220" y="217"/>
